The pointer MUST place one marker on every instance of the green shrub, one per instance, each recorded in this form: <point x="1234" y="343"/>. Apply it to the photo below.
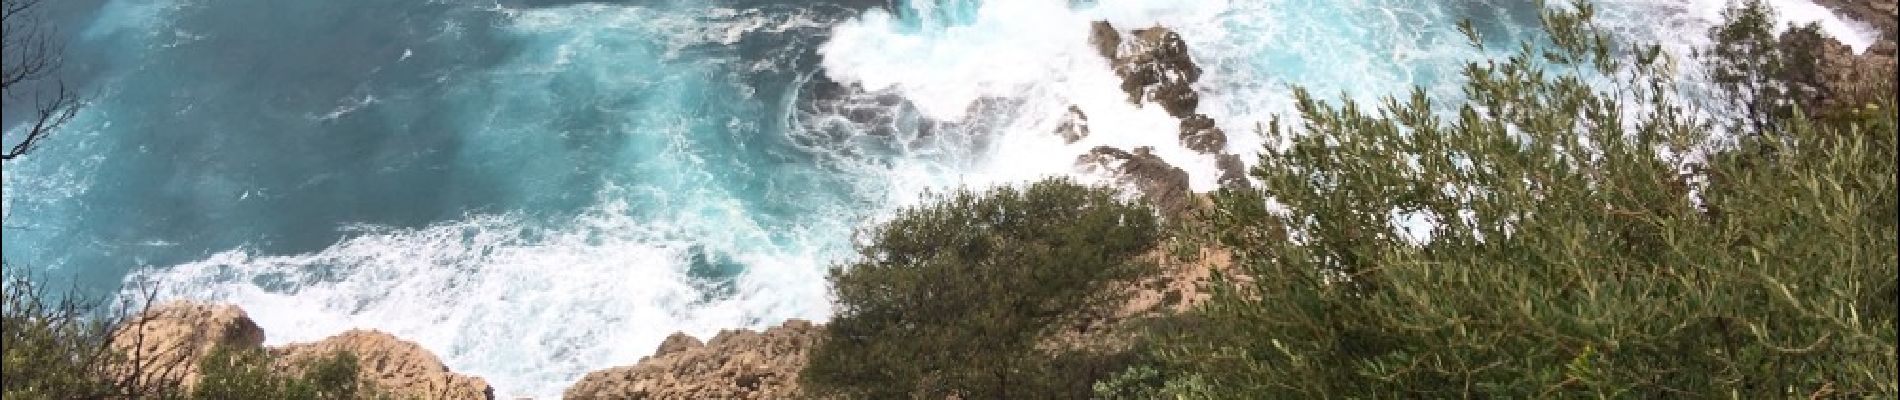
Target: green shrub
<point x="250" y="374"/>
<point x="53" y="348"/>
<point x="954" y="298"/>
<point x="1588" y="236"/>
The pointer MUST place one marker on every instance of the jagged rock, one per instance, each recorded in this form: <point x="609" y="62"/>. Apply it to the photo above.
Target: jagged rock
<point x="1198" y="133"/>
<point x="164" y="344"/>
<point x="1233" y="173"/>
<point x="1154" y="66"/>
<point x="1105" y="38"/>
<point x="1163" y="184"/>
<point x="393" y="366"/>
<point x="735" y="364"/>
<point x="1074" y="126"/>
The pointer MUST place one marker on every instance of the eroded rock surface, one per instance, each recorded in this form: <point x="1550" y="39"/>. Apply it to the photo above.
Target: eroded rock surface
<point x="164" y="344"/>
<point x="393" y="366"/>
<point x="736" y="364"/>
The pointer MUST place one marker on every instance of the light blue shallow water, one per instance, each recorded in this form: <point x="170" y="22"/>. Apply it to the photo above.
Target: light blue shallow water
<point x="534" y="189"/>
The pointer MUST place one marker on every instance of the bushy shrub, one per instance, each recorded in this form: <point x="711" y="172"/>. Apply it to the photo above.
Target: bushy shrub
<point x="54" y="348"/>
<point x="1569" y="229"/>
<point x="230" y="373"/>
<point x="954" y="297"/>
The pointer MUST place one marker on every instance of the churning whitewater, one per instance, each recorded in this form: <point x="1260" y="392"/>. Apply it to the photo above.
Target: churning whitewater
<point x="534" y="189"/>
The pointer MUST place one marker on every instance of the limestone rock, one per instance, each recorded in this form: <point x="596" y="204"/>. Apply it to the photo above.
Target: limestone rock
<point x="393" y="366"/>
<point x="1162" y="184"/>
<point x="165" y="343"/>
<point x="735" y="364"/>
<point x="677" y="342"/>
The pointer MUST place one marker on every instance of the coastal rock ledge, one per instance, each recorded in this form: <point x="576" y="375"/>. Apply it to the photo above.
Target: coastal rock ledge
<point x="166" y="343"/>
<point x="735" y="364"/>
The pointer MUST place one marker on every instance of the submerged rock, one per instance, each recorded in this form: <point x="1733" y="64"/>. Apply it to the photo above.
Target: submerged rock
<point x="736" y="364"/>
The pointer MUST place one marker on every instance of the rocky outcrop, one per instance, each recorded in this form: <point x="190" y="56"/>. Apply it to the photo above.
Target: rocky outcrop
<point x="1840" y="78"/>
<point x="1163" y="185"/>
<point x="165" y="344"/>
<point x="396" y="367"/>
<point x="735" y="364"/>
<point x="1155" y="66"/>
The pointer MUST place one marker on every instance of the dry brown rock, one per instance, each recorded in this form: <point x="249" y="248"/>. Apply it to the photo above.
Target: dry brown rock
<point x="164" y="344"/>
<point x="736" y="364"/>
<point x="393" y="366"/>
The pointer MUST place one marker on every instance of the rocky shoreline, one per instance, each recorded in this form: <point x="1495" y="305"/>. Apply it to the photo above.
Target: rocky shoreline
<point x="1155" y="68"/>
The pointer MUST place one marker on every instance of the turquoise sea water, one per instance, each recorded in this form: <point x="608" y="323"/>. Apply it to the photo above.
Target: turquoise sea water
<point x="533" y="189"/>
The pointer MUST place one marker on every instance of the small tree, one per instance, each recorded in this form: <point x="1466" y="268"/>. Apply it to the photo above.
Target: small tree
<point x="1568" y="230"/>
<point x="952" y="298"/>
<point x="30" y="60"/>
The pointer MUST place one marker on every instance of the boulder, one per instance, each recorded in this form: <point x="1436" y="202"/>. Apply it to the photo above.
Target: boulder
<point x="735" y="364"/>
<point x="1162" y="184"/>
<point x="393" y="366"/>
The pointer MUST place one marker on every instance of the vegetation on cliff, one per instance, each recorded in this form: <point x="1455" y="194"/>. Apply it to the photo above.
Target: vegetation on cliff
<point x="953" y="298"/>
<point x="1561" y="239"/>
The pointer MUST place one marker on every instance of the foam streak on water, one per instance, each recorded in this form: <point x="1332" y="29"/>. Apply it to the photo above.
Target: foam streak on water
<point x="536" y="192"/>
